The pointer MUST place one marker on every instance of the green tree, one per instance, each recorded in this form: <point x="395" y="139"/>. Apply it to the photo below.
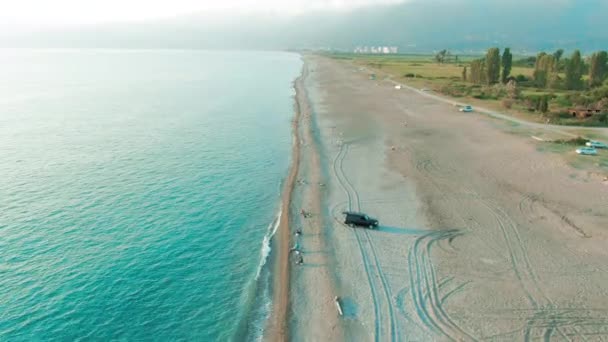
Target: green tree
<point x="464" y="73"/>
<point x="440" y="56"/>
<point x="558" y="55"/>
<point x="544" y="104"/>
<point x="559" y="65"/>
<point x="574" y="71"/>
<point x="493" y="66"/>
<point x="598" y="68"/>
<point x="477" y="71"/>
<point x="540" y="75"/>
<point x="545" y="71"/>
<point x="507" y="63"/>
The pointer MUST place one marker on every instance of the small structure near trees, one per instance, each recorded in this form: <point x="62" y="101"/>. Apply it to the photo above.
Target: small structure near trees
<point x="583" y="113"/>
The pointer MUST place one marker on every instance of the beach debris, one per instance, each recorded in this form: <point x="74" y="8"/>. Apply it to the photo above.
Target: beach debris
<point x="305" y="214"/>
<point x="393" y="147"/>
<point x="300" y="260"/>
<point x="405" y="123"/>
<point x="322" y="184"/>
<point x="398" y="87"/>
<point x="298" y="232"/>
<point x="338" y="306"/>
<point x="295" y="247"/>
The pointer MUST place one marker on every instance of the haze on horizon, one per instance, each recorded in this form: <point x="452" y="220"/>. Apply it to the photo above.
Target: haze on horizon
<point x="417" y="26"/>
<point x="19" y="15"/>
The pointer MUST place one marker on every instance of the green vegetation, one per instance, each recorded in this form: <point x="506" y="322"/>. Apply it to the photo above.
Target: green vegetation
<point x="493" y="66"/>
<point x="507" y="65"/>
<point x="574" y="72"/>
<point x="598" y="67"/>
<point x="544" y="88"/>
<point x="578" y="141"/>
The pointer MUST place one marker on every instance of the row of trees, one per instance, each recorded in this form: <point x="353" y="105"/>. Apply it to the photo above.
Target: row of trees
<point x="548" y="67"/>
<point x="490" y="70"/>
<point x="493" y="69"/>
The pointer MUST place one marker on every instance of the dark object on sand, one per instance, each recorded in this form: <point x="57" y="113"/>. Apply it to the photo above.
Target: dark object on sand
<point x="359" y="219"/>
<point x="300" y="260"/>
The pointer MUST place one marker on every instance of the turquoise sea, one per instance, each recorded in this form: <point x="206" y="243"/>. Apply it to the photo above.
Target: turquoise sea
<point x="138" y="190"/>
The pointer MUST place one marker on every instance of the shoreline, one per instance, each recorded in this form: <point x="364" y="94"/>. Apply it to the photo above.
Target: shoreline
<point x="303" y="296"/>
<point x="277" y="323"/>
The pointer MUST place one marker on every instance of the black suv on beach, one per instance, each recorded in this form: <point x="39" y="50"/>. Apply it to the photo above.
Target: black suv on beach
<point x="359" y="219"/>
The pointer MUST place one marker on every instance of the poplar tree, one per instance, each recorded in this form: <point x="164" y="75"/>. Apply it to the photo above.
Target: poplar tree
<point x="540" y="76"/>
<point x="507" y="63"/>
<point x="598" y="68"/>
<point x="574" y="71"/>
<point x="493" y="66"/>
<point x="477" y="71"/>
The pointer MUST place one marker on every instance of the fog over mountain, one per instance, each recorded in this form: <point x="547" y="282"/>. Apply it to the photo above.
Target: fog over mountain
<point x="413" y="26"/>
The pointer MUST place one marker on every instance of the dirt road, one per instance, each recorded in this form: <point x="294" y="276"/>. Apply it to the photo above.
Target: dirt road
<point x="482" y="237"/>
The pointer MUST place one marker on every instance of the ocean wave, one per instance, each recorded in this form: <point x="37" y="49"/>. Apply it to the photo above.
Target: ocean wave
<point x="258" y="296"/>
<point x="266" y="247"/>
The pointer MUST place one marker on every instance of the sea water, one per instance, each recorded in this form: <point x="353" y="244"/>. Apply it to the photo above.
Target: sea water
<point x="139" y="191"/>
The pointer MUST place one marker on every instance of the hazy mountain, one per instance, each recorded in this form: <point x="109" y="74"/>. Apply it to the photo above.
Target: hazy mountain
<point x="414" y="26"/>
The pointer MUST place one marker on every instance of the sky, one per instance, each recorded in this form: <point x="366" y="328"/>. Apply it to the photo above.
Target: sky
<point x="36" y="14"/>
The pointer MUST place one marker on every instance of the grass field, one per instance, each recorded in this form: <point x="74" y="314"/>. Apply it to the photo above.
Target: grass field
<point x="423" y="71"/>
<point x="422" y="65"/>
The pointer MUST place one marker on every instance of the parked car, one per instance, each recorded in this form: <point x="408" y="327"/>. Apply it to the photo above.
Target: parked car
<point x="466" y="109"/>
<point x="590" y="151"/>
<point x="359" y="219"/>
<point x="596" y="144"/>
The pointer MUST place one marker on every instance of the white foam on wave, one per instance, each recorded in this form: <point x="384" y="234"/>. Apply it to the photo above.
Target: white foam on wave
<point x="266" y="248"/>
<point x="264" y="301"/>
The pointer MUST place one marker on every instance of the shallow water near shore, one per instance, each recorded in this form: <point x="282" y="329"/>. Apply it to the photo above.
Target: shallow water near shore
<point x="138" y="191"/>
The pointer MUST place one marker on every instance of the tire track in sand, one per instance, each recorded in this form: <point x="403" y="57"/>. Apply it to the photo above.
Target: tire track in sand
<point x="425" y="288"/>
<point x="423" y="277"/>
<point x="338" y="173"/>
<point x="517" y="253"/>
<point x="354" y="201"/>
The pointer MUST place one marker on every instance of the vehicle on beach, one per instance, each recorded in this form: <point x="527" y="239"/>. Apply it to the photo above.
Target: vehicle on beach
<point x="353" y="219"/>
<point x="466" y="109"/>
<point x="596" y="144"/>
<point x="589" y="151"/>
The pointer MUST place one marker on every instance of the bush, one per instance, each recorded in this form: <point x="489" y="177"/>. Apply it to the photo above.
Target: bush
<point x="560" y="115"/>
<point x="574" y="141"/>
<point x="521" y="78"/>
<point x="507" y="103"/>
<point x="409" y="75"/>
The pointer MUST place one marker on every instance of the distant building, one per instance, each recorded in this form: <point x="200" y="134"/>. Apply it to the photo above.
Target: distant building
<point x="377" y="50"/>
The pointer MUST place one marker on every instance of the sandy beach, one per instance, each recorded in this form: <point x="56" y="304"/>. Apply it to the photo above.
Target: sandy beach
<point x="483" y="235"/>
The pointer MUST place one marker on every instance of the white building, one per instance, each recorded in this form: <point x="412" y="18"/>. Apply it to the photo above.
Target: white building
<point x="385" y="50"/>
